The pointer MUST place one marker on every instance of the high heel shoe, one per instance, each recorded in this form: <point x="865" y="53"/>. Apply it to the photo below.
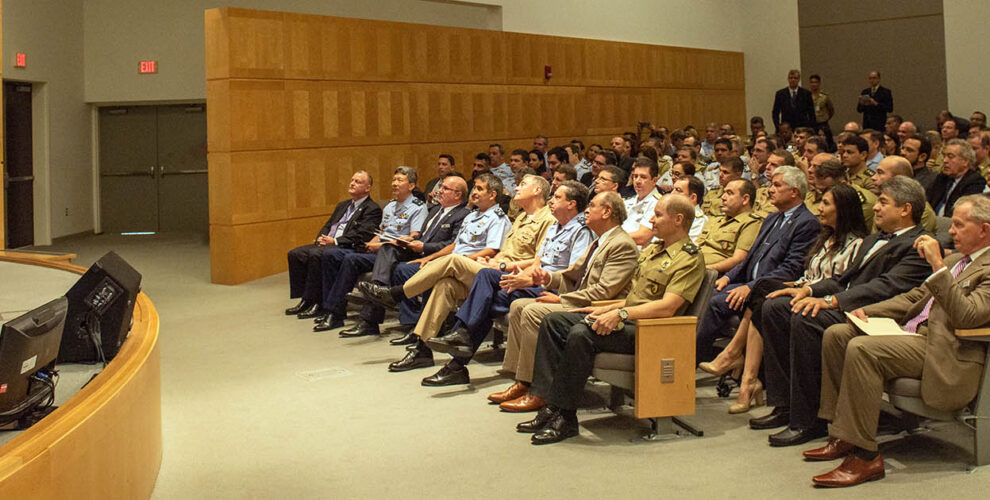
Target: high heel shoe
<point x="711" y="367"/>
<point x="756" y="398"/>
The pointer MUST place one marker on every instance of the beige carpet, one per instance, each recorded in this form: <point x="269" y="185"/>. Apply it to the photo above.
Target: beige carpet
<point x="255" y="405"/>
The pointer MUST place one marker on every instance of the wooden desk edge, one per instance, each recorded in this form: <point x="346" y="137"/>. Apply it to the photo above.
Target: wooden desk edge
<point x="141" y="344"/>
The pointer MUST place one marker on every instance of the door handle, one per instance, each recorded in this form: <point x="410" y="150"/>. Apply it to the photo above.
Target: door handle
<point x="22" y="178"/>
<point x="185" y="172"/>
<point x="151" y="172"/>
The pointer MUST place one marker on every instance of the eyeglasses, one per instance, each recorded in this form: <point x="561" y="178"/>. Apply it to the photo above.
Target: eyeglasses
<point x="603" y="179"/>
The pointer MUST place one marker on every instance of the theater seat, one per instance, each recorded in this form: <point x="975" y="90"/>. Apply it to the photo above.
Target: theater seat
<point x="664" y="348"/>
<point x="905" y="395"/>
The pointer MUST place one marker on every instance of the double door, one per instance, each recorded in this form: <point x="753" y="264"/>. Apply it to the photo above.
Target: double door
<point x="153" y="169"/>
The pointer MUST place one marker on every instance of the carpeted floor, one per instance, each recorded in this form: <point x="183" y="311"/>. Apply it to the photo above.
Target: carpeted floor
<point x="255" y="405"/>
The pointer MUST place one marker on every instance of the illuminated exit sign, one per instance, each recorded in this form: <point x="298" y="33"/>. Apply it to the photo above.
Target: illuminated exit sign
<point x="147" y="67"/>
<point x="20" y="60"/>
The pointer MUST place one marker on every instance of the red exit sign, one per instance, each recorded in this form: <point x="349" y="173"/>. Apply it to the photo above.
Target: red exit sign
<point x="20" y="60"/>
<point x="146" y="67"/>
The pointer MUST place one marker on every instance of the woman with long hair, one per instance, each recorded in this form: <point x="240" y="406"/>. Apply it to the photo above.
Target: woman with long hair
<point x="843" y="229"/>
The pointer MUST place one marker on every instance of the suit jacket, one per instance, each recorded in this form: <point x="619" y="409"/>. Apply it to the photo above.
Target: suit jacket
<point x="608" y="274"/>
<point x="971" y="183"/>
<point x="782" y="259"/>
<point x="430" y="183"/>
<point x="875" y="117"/>
<point x="894" y="268"/>
<point x="447" y="230"/>
<point x="362" y="226"/>
<point x="953" y="366"/>
<point x="800" y="115"/>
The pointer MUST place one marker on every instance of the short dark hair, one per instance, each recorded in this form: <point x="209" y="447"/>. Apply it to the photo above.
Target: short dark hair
<point x="575" y="191"/>
<point x="644" y="162"/>
<point x="815" y="77"/>
<point x="618" y="175"/>
<point x="904" y="190"/>
<point x="736" y="164"/>
<point x="725" y="141"/>
<point x="859" y="142"/>
<point x="819" y="142"/>
<point x="501" y="150"/>
<point x="874" y="135"/>
<point x="493" y="182"/>
<point x="483" y="157"/>
<point x="689" y="168"/>
<point x="756" y="119"/>
<point x="610" y="158"/>
<point x="522" y="153"/>
<point x="832" y="169"/>
<point x="560" y="153"/>
<point x="696" y="187"/>
<point x="448" y="157"/>
<point x="746" y="188"/>
<point x="578" y="143"/>
<point x="691" y="152"/>
<point x="570" y="173"/>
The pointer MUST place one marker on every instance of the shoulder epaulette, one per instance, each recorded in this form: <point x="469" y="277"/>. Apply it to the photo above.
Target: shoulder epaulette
<point x="755" y="216"/>
<point x="690" y="248"/>
<point x="417" y="201"/>
<point x="499" y="212"/>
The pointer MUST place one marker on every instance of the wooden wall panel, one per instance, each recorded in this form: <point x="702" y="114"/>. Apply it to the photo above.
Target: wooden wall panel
<point x="299" y="102"/>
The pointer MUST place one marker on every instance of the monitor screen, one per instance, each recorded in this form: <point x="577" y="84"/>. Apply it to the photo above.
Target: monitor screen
<point x="28" y="343"/>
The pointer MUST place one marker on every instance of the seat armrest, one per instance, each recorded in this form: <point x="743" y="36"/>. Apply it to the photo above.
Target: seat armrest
<point x="603" y="303"/>
<point x="978" y="334"/>
<point x="671" y="321"/>
<point x="660" y="341"/>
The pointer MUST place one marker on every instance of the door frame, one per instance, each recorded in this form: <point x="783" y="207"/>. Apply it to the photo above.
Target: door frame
<point x="40" y="160"/>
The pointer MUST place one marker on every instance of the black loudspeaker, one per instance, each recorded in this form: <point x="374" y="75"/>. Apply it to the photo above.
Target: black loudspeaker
<point x="101" y="305"/>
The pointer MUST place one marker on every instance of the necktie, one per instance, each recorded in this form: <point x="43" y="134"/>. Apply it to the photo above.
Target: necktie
<point x="886" y="236"/>
<point x="342" y="222"/>
<point x="912" y="326"/>
<point x="793" y="97"/>
<point x="587" y="263"/>
<point x="431" y="225"/>
<point x="771" y="239"/>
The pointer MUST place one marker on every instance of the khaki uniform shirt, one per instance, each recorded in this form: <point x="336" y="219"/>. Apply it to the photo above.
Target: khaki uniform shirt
<point x="762" y="207"/>
<point x="712" y="203"/>
<point x="525" y="235"/>
<point x="723" y="235"/>
<point x="984" y="167"/>
<point x="823" y="107"/>
<point x="863" y="179"/>
<point x="677" y="269"/>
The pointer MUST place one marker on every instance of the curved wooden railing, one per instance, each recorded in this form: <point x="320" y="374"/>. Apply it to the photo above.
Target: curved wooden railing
<point x="106" y="440"/>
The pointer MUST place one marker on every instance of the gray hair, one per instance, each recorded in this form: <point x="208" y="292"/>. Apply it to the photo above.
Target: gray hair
<point x="965" y="150"/>
<point x="541" y="183"/>
<point x="793" y="177"/>
<point x="979" y="207"/>
<point x="493" y="182"/>
<point x="612" y="200"/>
<point x="904" y="190"/>
<point x="371" y="181"/>
<point x="409" y="172"/>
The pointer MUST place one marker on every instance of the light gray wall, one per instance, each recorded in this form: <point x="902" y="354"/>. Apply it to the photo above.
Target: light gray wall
<point x="965" y="61"/>
<point x="50" y="33"/>
<point x="843" y="40"/>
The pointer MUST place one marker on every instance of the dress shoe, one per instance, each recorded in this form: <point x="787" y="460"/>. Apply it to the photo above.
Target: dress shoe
<point x="852" y="471"/>
<point x="313" y="312"/>
<point x="300" y="307"/>
<point x="720" y="365"/>
<point x="448" y="376"/>
<point x="456" y="343"/>
<point x="749" y="395"/>
<point x="413" y="359"/>
<point x="779" y="417"/>
<point x="542" y="417"/>
<point x="835" y="448"/>
<point x="514" y="391"/>
<point x="363" y="328"/>
<point x="557" y="429"/>
<point x="329" y="322"/>
<point x="378" y="294"/>
<point x="525" y="403"/>
<point x="791" y="437"/>
<point x="407" y="339"/>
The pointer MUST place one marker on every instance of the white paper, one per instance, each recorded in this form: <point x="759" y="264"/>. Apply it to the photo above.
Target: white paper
<point x="878" y="326"/>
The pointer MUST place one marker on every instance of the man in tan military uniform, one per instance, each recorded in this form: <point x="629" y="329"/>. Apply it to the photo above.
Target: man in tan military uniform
<point x="726" y="239"/>
<point x="892" y="166"/>
<point x="853" y="153"/>
<point x="728" y="171"/>
<point x="823" y="173"/>
<point x="981" y="146"/>
<point x="666" y="282"/>
<point x="777" y="158"/>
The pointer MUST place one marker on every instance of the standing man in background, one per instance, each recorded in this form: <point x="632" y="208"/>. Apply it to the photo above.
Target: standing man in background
<point x="875" y="102"/>
<point x="793" y="104"/>
<point x="824" y="110"/>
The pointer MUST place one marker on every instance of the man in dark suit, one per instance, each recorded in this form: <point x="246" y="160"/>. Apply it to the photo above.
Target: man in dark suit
<point x="795" y="319"/>
<point x="875" y="102"/>
<point x="793" y="104"/>
<point x="352" y="224"/>
<point x="778" y="253"/>
<point x="959" y="177"/>
<point x="442" y="224"/>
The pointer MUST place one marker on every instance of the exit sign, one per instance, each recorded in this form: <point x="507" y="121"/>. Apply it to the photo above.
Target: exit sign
<point x="20" y="60"/>
<point x="146" y="67"/>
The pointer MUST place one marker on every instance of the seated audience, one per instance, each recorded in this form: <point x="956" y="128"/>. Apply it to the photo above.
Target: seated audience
<point x="501" y="169"/>
<point x="693" y="189"/>
<point x="823" y="173"/>
<point x="639" y="207"/>
<point x="562" y="174"/>
<point x="352" y="223"/>
<point x="916" y="150"/>
<point x="892" y="166"/>
<point x="959" y="177"/>
<point x="853" y="152"/>
<point x="726" y="239"/>
<point x="445" y="167"/>
<point x="779" y="158"/>
<point x="956" y="294"/>
<point x="730" y="169"/>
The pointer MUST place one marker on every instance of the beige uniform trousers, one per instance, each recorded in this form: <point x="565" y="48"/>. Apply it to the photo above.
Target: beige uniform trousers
<point x="448" y="279"/>
<point x="854" y="369"/>
<point x="525" y="316"/>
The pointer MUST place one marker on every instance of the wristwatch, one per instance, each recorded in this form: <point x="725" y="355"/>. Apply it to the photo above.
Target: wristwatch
<point x="623" y="314"/>
<point x="830" y="300"/>
<point x="501" y="267"/>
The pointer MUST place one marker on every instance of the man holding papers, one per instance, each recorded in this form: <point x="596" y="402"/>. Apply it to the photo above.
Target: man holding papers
<point x="855" y="366"/>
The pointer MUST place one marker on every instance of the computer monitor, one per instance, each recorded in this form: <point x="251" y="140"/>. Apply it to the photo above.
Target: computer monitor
<point x="29" y="344"/>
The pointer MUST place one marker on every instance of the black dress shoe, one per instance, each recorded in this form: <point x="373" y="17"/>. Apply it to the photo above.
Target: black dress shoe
<point x="542" y="417"/>
<point x="557" y="429"/>
<point x="363" y="328"/>
<point x="298" y="308"/>
<point x="779" y="417"/>
<point x="315" y="311"/>
<point x="407" y="339"/>
<point x="378" y="294"/>
<point x="329" y="322"/>
<point x="791" y="437"/>
<point x="448" y="376"/>
<point x="414" y="359"/>
<point x="456" y="343"/>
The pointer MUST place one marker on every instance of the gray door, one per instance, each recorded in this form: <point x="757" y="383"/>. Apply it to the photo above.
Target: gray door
<point x="153" y="169"/>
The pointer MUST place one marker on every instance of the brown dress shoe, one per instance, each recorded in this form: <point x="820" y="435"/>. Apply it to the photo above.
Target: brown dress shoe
<point x="526" y="402"/>
<point x="834" y="449"/>
<point x="853" y="471"/>
<point x="514" y="391"/>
